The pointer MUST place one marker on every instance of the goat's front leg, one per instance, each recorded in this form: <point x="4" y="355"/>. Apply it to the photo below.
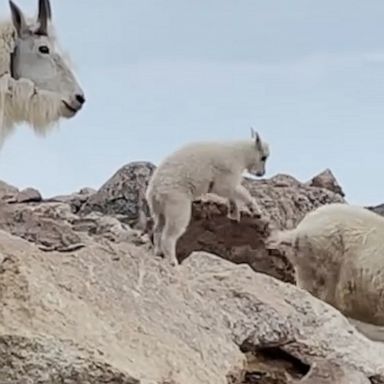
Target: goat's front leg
<point x="242" y="194"/>
<point x="233" y="210"/>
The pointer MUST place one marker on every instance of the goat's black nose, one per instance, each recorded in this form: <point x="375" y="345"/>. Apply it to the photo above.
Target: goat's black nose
<point x="80" y="98"/>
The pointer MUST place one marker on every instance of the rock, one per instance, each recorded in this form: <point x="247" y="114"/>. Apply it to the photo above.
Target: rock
<point x="123" y="193"/>
<point x="40" y="360"/>
<point x="28" y="195"/>
<point x="283" y="200"/>
<point x="62" y="223"/>
<point x="84" y="300"/>
<point x="53" y="226"/>
<point x="327" y="180"/>
<point x="96" y="224"/>
<point x="75" y="200"/>
<point x="47" y="225"/>
<point x="379" y="209"/>
<point x="328" y="373"/>
<point x="7" y="192"/>
<point x="376" y="379"/>
<point x="88" y="317"/>
<point x="87" y="191"/>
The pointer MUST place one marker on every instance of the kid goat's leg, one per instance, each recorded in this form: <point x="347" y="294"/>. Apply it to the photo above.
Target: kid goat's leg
<point x="233" y="210"/>
<point x="225" y="188"/>
<point x="177" y="216"/>
<point x="242" y="194"/>
<point x="234" y="194"/>
<point x="158" y="228"/>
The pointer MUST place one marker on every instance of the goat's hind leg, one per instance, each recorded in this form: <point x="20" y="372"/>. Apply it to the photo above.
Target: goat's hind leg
<point x="177" y="217"/>
<point x="158" y="228"/>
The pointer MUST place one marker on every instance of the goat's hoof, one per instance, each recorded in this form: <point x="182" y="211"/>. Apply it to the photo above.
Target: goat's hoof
<point x="254" y="211"/>
<point x="235" y="218"/>
<point x="159" y="253"/>
<point x="173" y="263"/>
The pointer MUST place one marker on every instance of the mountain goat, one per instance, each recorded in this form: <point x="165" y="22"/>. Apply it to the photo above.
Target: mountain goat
<point x="337" y="251"/>
<point x="194" y="170"/>
<point x="37" y="85"/>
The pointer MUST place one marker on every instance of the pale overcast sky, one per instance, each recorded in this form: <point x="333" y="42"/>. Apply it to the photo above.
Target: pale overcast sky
<point x="308" y="75"/>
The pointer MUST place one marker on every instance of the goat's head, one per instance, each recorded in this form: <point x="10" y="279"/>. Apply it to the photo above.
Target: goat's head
<point x="259" y="157"/>
<point x="37" y="58"/>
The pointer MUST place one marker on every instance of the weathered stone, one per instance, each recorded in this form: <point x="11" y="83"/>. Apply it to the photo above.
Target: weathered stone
<point x="106" y="310"/>
<point x="138" y="319"/>
<point x="327" y="180"/>
<point x="75" y="200"/>
<point x="28" y="195"/>
<point x="30" y="360"/>
<point x="123" y="193"/>
<point x="379" y="209"/>
<point x="8" y="192"/>
<point x="283" y="201"/>
<point x="324" y="372"/>
<point x="45" y="225"/>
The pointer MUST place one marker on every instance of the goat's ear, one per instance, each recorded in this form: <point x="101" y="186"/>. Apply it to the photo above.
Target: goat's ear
<point x="18" y="19"/>
<point x="253" y="133"/>
<point x="44" y="16"/>
<point x="258" y="142"/>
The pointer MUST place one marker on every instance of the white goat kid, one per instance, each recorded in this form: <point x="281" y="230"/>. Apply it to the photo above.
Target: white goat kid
<point x="194" y="170"/>
<point x="37" y="85"/>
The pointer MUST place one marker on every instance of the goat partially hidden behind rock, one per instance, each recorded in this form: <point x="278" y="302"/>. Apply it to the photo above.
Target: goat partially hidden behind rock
<point x="337" y="251"/>
<point x="194" y="170"/>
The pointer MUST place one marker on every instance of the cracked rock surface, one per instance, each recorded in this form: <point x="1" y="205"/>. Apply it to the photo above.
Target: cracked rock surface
<point x="83" y="299"/>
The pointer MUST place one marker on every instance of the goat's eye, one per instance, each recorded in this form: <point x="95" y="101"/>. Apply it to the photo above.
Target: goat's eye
<point x="264" y="158"/>
<point x="44" y="49"/>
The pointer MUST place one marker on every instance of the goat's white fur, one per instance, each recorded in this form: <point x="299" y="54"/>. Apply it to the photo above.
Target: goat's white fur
<point x="337" y="251"/>
<point x="20" y="100"/>
<point x="194" y="170"/>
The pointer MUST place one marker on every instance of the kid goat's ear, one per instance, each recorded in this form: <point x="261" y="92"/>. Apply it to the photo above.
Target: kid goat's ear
<point x="256" y="136"/>
<point x="258" y="142"/>
<point x="253" y="133"/>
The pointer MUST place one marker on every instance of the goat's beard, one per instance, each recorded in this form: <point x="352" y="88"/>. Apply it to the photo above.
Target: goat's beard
<point x="22" y="102"/>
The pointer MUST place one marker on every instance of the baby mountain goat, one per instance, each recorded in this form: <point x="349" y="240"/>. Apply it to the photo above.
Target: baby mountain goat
<point x="337" y="251"/>
<point x="194" y="170"/>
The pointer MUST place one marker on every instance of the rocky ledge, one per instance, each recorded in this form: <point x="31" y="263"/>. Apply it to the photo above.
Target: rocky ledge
<point x="83" y="299"/>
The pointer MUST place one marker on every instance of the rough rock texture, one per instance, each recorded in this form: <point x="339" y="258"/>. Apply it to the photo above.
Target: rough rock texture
<point x="125" y="315"/>
<point x="33" y="360"/>
<point x="123" y="193"/>
<point x="83" y="299"/>
<point x="284" y="201"/>
<point x="75" y="200"/>
<point x="28" y="195"/>
<point x="379" y="209"/>
<point x="325" y="372"/>
<point x="327" y="180"/>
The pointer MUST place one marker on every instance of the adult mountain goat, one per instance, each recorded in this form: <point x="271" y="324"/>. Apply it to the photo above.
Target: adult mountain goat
<point x="37" y="85"/>
<point x="337" y="251"/>
<point x="194" y="170"/>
